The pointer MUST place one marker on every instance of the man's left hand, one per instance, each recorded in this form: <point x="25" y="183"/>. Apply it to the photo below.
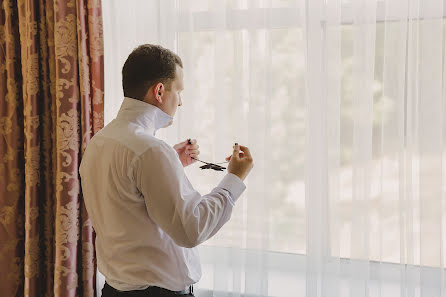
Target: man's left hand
<point x="186" y="151"/>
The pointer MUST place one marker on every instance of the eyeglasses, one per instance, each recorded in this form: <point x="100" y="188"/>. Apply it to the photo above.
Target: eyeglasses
<point x="209" y="165"/>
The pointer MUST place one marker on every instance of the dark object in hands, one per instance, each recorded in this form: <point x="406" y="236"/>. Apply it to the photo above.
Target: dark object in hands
<point x="212" y="166"/>
<point x="208" y="165"/>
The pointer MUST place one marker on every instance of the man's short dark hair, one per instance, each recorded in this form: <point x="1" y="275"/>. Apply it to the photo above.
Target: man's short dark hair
<point x="146" y="66"/>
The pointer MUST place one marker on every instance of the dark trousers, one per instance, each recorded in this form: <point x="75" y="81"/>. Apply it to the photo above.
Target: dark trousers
<point x="109" y="291"/>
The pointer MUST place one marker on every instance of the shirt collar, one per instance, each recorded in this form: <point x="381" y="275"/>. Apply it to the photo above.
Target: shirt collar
<point x="150" y="117"/>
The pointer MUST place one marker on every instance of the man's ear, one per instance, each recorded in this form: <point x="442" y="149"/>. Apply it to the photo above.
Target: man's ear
<point x="158" y="92"/>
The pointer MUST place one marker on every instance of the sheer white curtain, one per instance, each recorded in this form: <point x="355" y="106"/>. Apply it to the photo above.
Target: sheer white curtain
<point x="341" y="104"/>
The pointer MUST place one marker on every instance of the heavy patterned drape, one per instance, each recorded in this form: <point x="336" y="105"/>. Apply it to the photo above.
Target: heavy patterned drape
<point x="51" y="104"/>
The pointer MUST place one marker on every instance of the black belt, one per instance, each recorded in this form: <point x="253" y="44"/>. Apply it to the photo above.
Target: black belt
<point x="150" y="291"/>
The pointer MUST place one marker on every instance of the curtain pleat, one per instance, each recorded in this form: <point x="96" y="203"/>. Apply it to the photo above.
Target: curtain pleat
<point x="12" y="180"/>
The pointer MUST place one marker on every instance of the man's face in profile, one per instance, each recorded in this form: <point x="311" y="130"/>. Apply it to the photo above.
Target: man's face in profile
<point x="172" y="95"/>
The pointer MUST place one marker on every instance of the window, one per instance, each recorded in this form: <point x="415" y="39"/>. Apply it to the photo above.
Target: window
<point x="376" y="121"/>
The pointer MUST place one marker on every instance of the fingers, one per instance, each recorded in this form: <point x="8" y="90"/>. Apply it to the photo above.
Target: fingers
<point x="235" y="153"/>
<point x="193" y="152"/>
<point x="192" y="147"/>
<point x="192" y="144"/>
<point x="246" y="151"/>
<point x="191" y="141"/>
<point x="243" y="152"/>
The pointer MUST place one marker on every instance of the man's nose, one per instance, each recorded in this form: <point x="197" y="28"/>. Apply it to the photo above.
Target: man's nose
<point x="180" y="103"/>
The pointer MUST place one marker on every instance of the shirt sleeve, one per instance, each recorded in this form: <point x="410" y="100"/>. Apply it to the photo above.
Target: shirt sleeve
<point x="171" y="201"/>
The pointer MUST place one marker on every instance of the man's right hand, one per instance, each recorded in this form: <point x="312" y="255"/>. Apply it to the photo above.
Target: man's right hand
<point x="241" y="162"/>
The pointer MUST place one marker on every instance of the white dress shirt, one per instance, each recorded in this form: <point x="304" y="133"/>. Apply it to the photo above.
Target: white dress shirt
<point x="147" y="216"/>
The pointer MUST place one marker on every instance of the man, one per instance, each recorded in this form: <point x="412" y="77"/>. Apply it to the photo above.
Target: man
<point x="147" y="216"/>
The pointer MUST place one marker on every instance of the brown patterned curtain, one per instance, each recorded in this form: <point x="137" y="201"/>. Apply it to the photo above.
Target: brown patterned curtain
<point x="51" y="104"/>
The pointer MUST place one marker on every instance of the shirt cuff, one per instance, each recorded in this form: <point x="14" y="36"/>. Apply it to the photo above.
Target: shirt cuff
<point x="233" y="184"/>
